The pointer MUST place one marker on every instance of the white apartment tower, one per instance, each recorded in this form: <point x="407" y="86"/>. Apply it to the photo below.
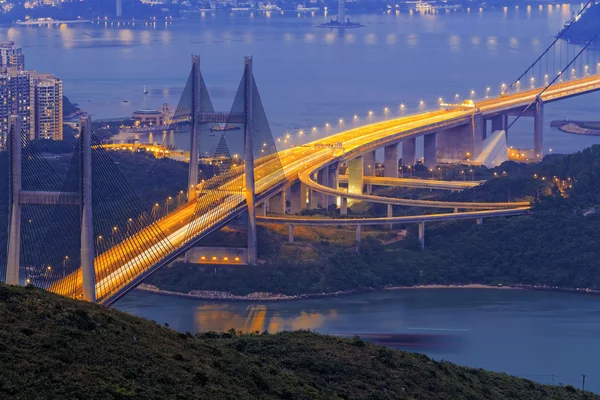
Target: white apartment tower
<point x="35" y="98"/>
<point x="11" y="56"/>
<point x="48" y="107"/>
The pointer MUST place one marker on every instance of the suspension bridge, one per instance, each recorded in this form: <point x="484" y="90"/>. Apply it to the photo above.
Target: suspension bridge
<point x="87" y="233"/>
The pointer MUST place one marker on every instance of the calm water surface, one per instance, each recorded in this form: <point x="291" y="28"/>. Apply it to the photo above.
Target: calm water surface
<point x="531" y="334"/>
<point x="309" y="76"/>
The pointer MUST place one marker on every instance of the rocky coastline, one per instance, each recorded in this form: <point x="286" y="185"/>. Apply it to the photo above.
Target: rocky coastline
<point x="590" y="128"/>
<point x="267" y="296"/>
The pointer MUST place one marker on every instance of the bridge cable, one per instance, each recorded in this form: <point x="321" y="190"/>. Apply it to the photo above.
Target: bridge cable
<point x="555" y="79"/>
<point x="556" y="39"/>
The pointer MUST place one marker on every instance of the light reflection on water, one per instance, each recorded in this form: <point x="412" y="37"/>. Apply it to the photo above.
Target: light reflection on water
<point x="221" y="317"/>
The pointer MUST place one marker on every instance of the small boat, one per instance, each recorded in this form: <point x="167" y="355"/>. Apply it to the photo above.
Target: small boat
<point x="145" y="91"/>
<point x="125" y="101"/>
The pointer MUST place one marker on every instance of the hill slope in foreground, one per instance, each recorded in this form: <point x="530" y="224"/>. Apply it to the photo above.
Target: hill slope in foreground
<point x="52" y="347"/>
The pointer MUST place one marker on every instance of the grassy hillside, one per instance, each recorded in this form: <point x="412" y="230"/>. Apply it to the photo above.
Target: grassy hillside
<point x="56" y="348"/>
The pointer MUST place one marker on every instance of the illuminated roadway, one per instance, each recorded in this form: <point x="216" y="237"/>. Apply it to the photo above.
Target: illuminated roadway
<point x="125" y="265"/>
<point x="415" y="183"/>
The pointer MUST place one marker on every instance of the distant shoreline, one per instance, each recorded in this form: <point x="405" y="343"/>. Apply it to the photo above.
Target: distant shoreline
<point x="214" y="295"/>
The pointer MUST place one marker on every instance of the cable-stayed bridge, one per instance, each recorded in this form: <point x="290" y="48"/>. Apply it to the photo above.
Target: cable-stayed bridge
<point x="88" y="234"/>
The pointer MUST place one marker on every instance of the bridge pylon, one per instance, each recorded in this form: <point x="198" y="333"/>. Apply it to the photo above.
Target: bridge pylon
<point x="82" y="199"/>
<point x="249" y="159"/>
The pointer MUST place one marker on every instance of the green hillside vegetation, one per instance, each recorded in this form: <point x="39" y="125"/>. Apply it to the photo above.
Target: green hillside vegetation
<point x="57" y="348"/>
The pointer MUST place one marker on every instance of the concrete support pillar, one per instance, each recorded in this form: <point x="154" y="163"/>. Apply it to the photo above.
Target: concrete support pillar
<point x="422" y="235"/>
<point x="390" y="161"/>
<point x="87" y="227"/>
<point x="505" y="123"/>
<point x="455" y="210"/>
<point x="344" y="206"/>
<point x="14" y="222"/>
<point x="479" y="221"/>
<point x="312" y="198"/>
<point x="499" y="122"/>
<point x="355" y="175"/>
<point x="390" y="214"/>
<point x="478" y="134"/>
<point x="538" y="129"/>
<point x="323" y="179"/>
<point x="333" y="180"/>
<point x="261" y="209"/>
<point x="277" y="203"/>
<point x="249" y="159"/>
<point x="291" y="233"/>
<point x="195" y="130"/>
<point x="298" y="197"/>
<point x="430" y="150"/>
<point x="409" y="152"/>
<point x="369" y="167"/>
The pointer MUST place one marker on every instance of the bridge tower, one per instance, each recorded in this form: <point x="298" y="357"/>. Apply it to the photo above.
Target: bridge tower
<point x="82" y="199"/>
<point x="249" y="159"/>
<point x="195" y="134"/>
<point x="342" y="11"/>
<point x="119" y="10"/>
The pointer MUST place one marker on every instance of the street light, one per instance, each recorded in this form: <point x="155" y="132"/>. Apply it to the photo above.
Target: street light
<point x="402" y="108"/>
<point x="487" y="92"/>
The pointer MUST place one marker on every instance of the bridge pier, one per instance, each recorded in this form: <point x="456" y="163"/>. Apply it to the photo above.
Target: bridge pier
<point x="344" y="206"/>
<point x="409" y="152"/>
<point x="358" y="234"/>
<point x="369" y="161"/>
<point x="323" y="179"/>
<point x="430" y="150"/>
<point x="277" y="203"/>
<point x="479" y="221"/>
<point x="333" y="180"/>
<point x="14" y="223"/>
<point x="422" y="235"/>
<point x="462" y="142"/>
<point x="499" y="122"/>
<point x="298" y="197"/>
<point x="291" y="233"/>
<point x="390" y="161"/>
<point x="538" y="129"/>
<point x="355" y="175"/>
<point x="390" y="214"/>
<point x="262" y="209"/>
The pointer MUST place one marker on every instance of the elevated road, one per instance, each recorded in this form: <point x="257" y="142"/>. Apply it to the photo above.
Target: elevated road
<point x="393" y="220"/>
<point x="415" y="183"/>
<point x="122" y="267"/>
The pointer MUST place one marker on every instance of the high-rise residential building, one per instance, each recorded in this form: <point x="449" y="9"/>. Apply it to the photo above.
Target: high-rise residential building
<point x="11" y="56"/>
<point x="36" y="98"/>
<point x="17" y="97"/>
<point x="48" y="107"/>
